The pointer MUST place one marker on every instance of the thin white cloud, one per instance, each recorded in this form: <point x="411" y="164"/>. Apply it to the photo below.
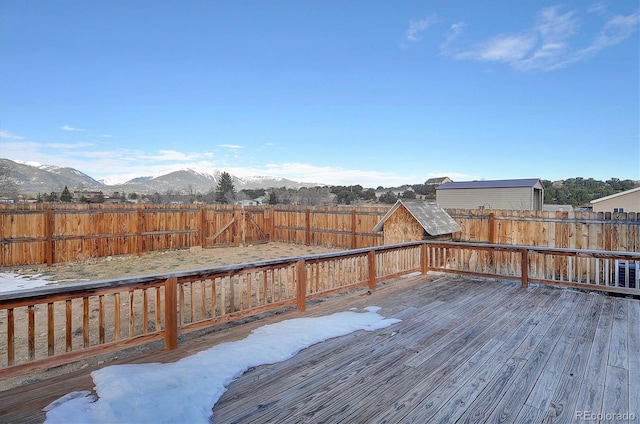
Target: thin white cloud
<point x="454" y="32"/>
<point x="502" y="48"/>
<point x="19" y="150"/>
<point x="7" y="134"/>
<point x="68" y="145"/>
<point x="547" y="45"/>
<point x="599" y="7"/>
<point x="231" y="146"/>
<point x="331" y="175"/>
<point x="173" y="156"/>
<point x="70" y="128"/>
<point x="416" y="27"/>
<point x="617" y="29"/>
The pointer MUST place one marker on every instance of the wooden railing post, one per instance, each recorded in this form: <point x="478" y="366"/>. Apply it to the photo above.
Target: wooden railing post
<point x="301" y="287"/>
<point x="171" y="313"/>
<point x="424" y="259"/>
<point x="371" y="258"/>
<point x="524" y="267"/>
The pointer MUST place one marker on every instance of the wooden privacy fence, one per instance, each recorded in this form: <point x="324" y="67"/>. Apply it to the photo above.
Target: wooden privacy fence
<point x="51" y="235"/>
<point x="47" y="235"/>
<point x="49" y="326"/>
<point x="573" y="230"/>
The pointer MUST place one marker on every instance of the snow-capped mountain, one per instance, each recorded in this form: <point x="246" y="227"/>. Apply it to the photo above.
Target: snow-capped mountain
<point x="29" y="179"/>
<point x="32" y="180"/>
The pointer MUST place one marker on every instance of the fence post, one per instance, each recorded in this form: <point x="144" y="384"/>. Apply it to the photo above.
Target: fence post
<point x="203" y="227"/>
<point x="301" y="288"/>
<point x="492" y="228"/>
<point x="307" y="227"/>
<point x="272" y="217"/>
<point x="48" y="229"/>
<point x="139" y="231"/>
<point x="238" y="217"/>
<point x="371" y="258"/>
<point x="171" y="313"/>
<point x="354" y="222"/>
<point x="524" y="267"/>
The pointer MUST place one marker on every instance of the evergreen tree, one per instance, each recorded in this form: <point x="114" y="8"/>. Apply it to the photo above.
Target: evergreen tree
<point x="273" y="199"/>
<point x="388" y="198"/>
<point x="225" y="192"/>
<point x="66" y="196"/>
<point x="52" y="197"/>
<point x="408" y="194"/>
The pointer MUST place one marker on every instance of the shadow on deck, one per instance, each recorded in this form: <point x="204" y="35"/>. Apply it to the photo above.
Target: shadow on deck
<point x="465" y="351"/>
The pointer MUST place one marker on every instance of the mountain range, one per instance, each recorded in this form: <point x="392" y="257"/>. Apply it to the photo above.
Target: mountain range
<point x="32" y="180"/>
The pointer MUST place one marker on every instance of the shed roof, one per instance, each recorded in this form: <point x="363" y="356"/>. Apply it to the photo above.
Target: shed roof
<point x="435" y="220"/>
<point x="528" y="182"/>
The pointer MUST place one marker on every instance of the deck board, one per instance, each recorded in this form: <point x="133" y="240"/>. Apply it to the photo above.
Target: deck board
<point x="465" y="351"/>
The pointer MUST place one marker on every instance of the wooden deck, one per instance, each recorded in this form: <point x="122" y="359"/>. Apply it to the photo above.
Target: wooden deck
<point x="465" y="351"/>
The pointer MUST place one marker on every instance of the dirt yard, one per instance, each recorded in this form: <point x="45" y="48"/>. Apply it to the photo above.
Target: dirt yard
<point x="175" y="260"/>
<point x="151" y="263"/>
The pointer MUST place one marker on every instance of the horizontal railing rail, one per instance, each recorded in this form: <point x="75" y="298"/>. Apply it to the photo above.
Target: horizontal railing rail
<point x="45" y="327"/>
<point x="603" y="270"/>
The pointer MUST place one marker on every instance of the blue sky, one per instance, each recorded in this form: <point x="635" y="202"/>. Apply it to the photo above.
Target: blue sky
<point x="377" y="93"/>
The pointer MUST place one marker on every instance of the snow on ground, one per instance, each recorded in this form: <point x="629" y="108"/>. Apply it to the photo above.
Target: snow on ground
<point x="186" y="391"/>
<point x="11" y="282"/>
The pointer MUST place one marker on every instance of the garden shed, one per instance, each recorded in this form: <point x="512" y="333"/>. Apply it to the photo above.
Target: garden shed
<point x="413" y="221"/>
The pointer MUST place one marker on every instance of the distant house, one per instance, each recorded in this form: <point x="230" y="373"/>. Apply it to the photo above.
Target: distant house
<point x="247" y="202"/>
<point x="523" y="194"/>
<point x="408" y="221"/>
<point x="397" y="191"/>
<point x="625" y="201"/>
<point x="557" y="208"/>
<point x="93" y="197"/>
<point x="438" y="181"/>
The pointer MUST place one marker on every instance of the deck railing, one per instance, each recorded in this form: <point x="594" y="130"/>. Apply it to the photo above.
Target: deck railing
<point x="45" y="327"/>
<point x="611" y="271"/>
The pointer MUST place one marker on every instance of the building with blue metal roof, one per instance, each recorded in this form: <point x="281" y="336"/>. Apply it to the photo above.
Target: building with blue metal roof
<point x="519" y="194"/>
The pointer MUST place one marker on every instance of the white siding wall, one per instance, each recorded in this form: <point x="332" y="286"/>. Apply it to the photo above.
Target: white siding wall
<point x="630" y="202"/>
<point x="516" y="198"/>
